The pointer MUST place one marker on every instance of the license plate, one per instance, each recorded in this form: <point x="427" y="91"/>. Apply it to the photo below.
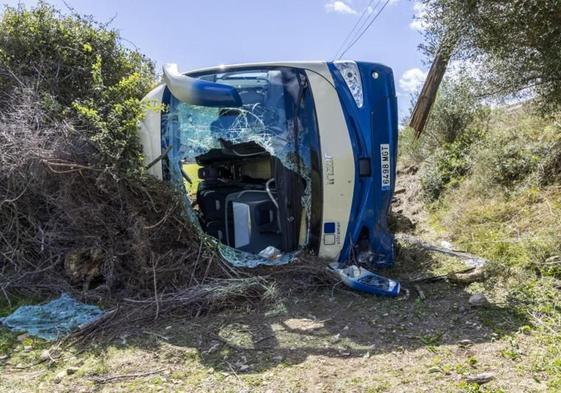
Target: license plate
<point x="385" y="165"/>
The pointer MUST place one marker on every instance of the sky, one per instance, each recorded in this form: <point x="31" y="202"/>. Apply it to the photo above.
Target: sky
<point x="199" y="33"/>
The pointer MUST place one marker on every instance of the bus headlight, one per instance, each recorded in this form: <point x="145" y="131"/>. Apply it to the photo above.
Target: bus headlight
<point x="350" y="73"/>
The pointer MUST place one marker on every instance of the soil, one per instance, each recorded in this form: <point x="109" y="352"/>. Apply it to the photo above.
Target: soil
<point x="329" y="340"/>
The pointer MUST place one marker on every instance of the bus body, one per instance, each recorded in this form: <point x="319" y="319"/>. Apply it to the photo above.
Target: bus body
<point x="276" y="158"/>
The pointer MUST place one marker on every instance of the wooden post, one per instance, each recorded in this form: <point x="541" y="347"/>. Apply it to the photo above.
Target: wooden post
<point x="430" y="88"/>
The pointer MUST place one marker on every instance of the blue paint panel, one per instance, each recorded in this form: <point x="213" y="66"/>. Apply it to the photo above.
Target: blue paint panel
<point x="371" y="127"/>
<point x="329" y="227"/>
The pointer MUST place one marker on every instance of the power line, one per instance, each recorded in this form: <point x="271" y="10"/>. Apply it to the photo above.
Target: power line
<point x="349" y="36"/>
<point x="365" y="29"/>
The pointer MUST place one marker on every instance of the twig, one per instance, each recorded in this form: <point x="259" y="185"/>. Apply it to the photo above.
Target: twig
<point x="420" y="292"/>
<point x="471" y="259"/>
<point x="101" y="380"/>
<point x="155" y="287"/>
<point x="234" y="372"/>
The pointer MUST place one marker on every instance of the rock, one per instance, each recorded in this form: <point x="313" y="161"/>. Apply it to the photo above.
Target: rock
<point x="480" y="379"/>
<point x="45" y="355"/>
<point x="465" y="343"/>
<point x="27" y="348"/>
<point x="71" y="370"/>
<point x="59" y="377"/>
<point x="22" y="337"/>
<point x="478" y="300"/>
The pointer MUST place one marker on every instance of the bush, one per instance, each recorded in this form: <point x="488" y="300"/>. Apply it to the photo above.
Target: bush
<point x="445" y="168"/>
<point x="81" y="73"/>
<point x="455" y="113"/>
<point x="520" y="150"/>
<point x="510" y="162"/>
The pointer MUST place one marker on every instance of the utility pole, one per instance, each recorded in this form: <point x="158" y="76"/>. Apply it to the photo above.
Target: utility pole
<point x="430" y="88"/>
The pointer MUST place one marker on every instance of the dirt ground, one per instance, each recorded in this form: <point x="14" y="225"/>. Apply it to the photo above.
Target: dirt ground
<point x="329" y="340"/>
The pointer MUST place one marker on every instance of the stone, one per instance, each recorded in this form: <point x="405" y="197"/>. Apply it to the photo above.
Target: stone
<point x="71" y="370"/>
<point x="478" y="300"/>
<point x="59" y="376"/>
<point x="480" y="379"/>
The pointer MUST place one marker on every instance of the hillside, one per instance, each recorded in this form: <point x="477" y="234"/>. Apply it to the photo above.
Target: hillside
<point x="80" y="215"/>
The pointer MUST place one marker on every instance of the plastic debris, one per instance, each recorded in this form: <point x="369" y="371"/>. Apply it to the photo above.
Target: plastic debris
<point x="52" y="320"/>
<point x="270" y="252"/>
<point x="359" y="278"/>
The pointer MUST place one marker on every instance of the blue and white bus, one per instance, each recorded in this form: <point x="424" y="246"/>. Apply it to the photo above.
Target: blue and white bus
<point x="277" y="158"/>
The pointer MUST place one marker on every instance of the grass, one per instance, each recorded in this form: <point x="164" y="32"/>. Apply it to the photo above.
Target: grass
<point x="364" y="343"/>
<point x="515" y="225"/>
<point x="8" y="339"/>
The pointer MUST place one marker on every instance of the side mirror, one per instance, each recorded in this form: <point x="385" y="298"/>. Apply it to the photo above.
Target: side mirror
<point x="199" y="92"/>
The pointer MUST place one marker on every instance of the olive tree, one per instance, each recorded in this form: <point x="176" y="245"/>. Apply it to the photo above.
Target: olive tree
<point x="517" y="43"/>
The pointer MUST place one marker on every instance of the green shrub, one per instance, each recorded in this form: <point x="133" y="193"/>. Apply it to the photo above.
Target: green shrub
<point x="444" y="169"/>
<point x="456" y="113"/>
<point x="83" y="74"/>
<point x="510" y="162"/>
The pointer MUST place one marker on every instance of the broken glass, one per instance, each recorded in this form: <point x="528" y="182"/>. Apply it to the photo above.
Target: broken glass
<point x="269" y="117"/>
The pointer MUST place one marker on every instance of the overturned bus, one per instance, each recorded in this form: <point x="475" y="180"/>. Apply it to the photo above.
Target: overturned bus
<point x="277" y="158"/>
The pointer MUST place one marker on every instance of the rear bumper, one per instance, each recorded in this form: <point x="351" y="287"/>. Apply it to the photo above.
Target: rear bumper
<point x="373" y="132"/>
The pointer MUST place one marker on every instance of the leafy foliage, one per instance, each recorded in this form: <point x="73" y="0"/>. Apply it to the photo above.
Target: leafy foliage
<point x="445" y="169"/>
<point x="458" y="120"/>
<point x="83" y="74"/>
<point x="456" y="113"/>
<point x="517" y="42"/>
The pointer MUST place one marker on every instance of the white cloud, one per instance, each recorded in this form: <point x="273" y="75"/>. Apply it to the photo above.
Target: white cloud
<point x="412" y="80"/>
<point x="419" y="21"/>
<point x="340" y="7"/>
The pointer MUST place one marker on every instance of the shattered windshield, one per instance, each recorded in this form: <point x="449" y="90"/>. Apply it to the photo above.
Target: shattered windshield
<point x="268" y="97"/>
<point x="274" y="116"/>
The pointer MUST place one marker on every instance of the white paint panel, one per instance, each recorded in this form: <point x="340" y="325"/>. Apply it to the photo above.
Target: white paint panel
<point x="338" y="163"/>
<point x="150" y="131"/>
<point x="316" y="66"/>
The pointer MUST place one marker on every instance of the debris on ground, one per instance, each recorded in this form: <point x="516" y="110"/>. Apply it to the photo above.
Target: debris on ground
<point x="52" y="320"/>
<point x="469" y="259"/>
<point x="362" y="280"/>
<point x="480" y="379"/>
<point x="467" y="277"/>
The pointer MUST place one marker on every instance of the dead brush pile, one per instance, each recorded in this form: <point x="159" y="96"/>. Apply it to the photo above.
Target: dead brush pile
<point x="70" y="223"/>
